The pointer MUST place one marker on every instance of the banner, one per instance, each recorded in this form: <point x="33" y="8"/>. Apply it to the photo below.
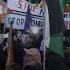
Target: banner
<point x="67" y="20"/>
<point x="36" y="31"/>
<point x="19" y="11"/>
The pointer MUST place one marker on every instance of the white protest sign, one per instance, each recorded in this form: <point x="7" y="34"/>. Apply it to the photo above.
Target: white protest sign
<point x="5" y="35"/>
<point x="18" y="21"/>
<point x="19" y="10"/>
<point x="67" y="20"/>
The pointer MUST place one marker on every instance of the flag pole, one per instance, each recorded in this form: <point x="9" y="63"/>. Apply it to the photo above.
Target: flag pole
<point x="44" y="6"/>
<point x="10" y="59"/>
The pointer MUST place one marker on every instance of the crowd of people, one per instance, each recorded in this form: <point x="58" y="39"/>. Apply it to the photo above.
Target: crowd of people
<point x="27" y="52"/>
<point x="28" y="48"/>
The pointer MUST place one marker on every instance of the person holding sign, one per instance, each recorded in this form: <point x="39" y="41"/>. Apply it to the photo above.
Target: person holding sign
<point x="32" y="57"/>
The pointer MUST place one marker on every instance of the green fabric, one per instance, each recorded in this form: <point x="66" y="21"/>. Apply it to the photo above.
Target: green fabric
<point x="32" y="1"/>
<point x="56" y="44"/>
<point x="62" y="4"/>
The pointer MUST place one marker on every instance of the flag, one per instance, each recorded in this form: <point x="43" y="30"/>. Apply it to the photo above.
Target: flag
<point x="10" y="58"/>
<point x="28" y="19"/>
<point x="56" y="27"/>
<point x="47" y="26"/>
<point x="62" y="4"/>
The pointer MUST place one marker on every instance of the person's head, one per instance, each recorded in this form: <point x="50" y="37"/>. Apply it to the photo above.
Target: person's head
<point x="26" y="38"/>
<point x="19" y="34"/>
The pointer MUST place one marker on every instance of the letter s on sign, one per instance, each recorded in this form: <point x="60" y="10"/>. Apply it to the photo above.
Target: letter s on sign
<point x="20" y="3"/>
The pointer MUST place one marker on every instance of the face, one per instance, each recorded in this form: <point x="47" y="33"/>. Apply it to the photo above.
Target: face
<point x="25" y="39"/>
<point x="19" y="34"/>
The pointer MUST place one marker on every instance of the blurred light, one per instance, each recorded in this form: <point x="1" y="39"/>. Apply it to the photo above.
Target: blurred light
<point x="1" y="11"/>
<point x="35" y="29"/>
<point x="5" y="35"/>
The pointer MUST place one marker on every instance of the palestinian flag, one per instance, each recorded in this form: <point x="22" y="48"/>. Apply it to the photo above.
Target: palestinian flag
<point x="56" y="27"/>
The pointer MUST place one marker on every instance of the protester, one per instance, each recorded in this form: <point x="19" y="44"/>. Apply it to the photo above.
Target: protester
<point x="2" y="65"/>
<point x="19" y="36"/>
<point x="32" y="58"/>
<point x="18" y="54"/>
<point x="4" y="49"/>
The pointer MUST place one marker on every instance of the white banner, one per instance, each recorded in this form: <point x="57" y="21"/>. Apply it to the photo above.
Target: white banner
<point x="39" y="13"/>
<point x="20" y="18"/>
<point x="67" y="20"/>
<point x="19" y="9"/>
<point x="18" y="21"/>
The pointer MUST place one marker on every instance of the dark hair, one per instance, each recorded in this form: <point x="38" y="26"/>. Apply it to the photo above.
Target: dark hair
<point x="26" y="33"/>
<point x="4" y="42"/>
